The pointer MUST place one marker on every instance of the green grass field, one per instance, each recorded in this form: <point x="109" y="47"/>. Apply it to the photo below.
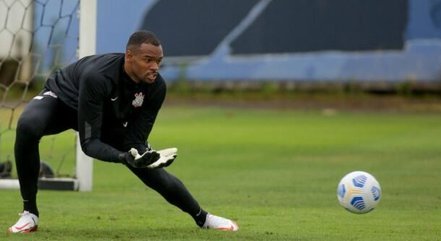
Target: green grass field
<point x="274" y="171"/>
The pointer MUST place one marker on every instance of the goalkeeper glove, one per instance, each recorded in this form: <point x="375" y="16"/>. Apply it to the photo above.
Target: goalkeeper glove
<point x="166" y="158"/>
<point x="134" y="159"/>
<point x="150" y="159"/>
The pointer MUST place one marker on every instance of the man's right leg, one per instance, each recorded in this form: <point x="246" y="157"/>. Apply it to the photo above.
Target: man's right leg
<point x="44" y="115"/>
<point x="175" y="192"/>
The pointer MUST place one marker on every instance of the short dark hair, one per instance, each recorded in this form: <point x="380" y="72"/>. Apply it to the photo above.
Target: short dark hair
<point x="140" y="37"/>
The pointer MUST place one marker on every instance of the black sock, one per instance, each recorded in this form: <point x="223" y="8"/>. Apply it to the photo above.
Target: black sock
<point x="31" y="206"/>
<point x="200" y="217"/>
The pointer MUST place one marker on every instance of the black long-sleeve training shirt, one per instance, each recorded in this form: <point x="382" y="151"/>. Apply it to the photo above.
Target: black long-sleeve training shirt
<point x="108" y="103"/>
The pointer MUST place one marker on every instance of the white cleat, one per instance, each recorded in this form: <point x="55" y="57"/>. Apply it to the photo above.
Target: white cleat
<point x="27" y="223"/>
<point x="220" y="223"/>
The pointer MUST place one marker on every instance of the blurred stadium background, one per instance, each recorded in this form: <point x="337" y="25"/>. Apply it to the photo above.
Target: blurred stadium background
<point x="283" y="40"/>
<point x="251" y="40"/>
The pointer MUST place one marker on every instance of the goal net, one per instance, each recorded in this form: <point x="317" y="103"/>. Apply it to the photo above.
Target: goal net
<point x="37" y="37"/>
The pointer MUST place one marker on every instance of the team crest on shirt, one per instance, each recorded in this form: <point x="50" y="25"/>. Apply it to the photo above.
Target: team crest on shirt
<point x="139" y="99"/>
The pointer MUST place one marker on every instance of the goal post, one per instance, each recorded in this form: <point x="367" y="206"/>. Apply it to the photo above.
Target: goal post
<point x="87" y="46"/>
<point x="36" y="38"/>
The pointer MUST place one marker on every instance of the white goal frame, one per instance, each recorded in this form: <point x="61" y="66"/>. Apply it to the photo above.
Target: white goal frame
<point x="87" y="46"/>
<point x="83" y="180"/>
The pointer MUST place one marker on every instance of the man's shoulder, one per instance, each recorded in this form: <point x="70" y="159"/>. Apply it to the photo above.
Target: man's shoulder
<point x="160" y="80"/>
<point x="102" y="59"/>
<point x="103" y="65"/>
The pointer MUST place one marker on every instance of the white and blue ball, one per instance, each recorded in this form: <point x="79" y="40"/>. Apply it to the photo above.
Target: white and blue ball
<point x="359" y="192"/>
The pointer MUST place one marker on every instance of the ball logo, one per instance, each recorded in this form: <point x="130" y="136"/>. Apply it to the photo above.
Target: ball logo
<point x="341" y="191"/>
<point x="359" y="181"/>
<point x="358" y="203"/>
<point x="376" y="192"/>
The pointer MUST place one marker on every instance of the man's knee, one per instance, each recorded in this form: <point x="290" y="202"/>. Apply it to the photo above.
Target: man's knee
<point x="29" y="127"/>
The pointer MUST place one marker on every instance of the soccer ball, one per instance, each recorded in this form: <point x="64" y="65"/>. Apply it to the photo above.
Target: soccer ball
<point x="359" y="192"/>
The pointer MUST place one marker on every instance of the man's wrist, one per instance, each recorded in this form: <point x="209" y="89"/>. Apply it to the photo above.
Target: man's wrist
<point x="123" y="156"/>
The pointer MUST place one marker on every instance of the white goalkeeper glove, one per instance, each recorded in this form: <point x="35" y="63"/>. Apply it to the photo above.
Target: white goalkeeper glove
<point x="166" y="157"/>
<point x="151" y="159"/>
<point x="134" y="159"/>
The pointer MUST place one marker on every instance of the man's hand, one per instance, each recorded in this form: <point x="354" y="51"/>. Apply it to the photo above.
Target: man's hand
<point x="151" y="158"/>
<point x="167" y="156"/>
<point x="134" y="159"/>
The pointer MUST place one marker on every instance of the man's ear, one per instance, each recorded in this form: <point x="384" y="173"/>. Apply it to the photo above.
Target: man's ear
<point x="129" y="54"/>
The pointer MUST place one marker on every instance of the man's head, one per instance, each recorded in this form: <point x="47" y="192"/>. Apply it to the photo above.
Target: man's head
<point x="143" y="57"/>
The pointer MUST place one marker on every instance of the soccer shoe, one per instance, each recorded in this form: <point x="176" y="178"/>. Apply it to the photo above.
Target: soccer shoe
<point x="27" y="223"/>
<point x="220" y="223"/>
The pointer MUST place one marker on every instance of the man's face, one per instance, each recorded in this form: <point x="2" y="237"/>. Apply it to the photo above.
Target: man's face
<point x="142" y="64"/>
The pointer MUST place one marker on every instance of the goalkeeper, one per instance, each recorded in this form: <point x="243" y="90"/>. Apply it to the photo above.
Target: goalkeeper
<point x="112" y="100"/>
